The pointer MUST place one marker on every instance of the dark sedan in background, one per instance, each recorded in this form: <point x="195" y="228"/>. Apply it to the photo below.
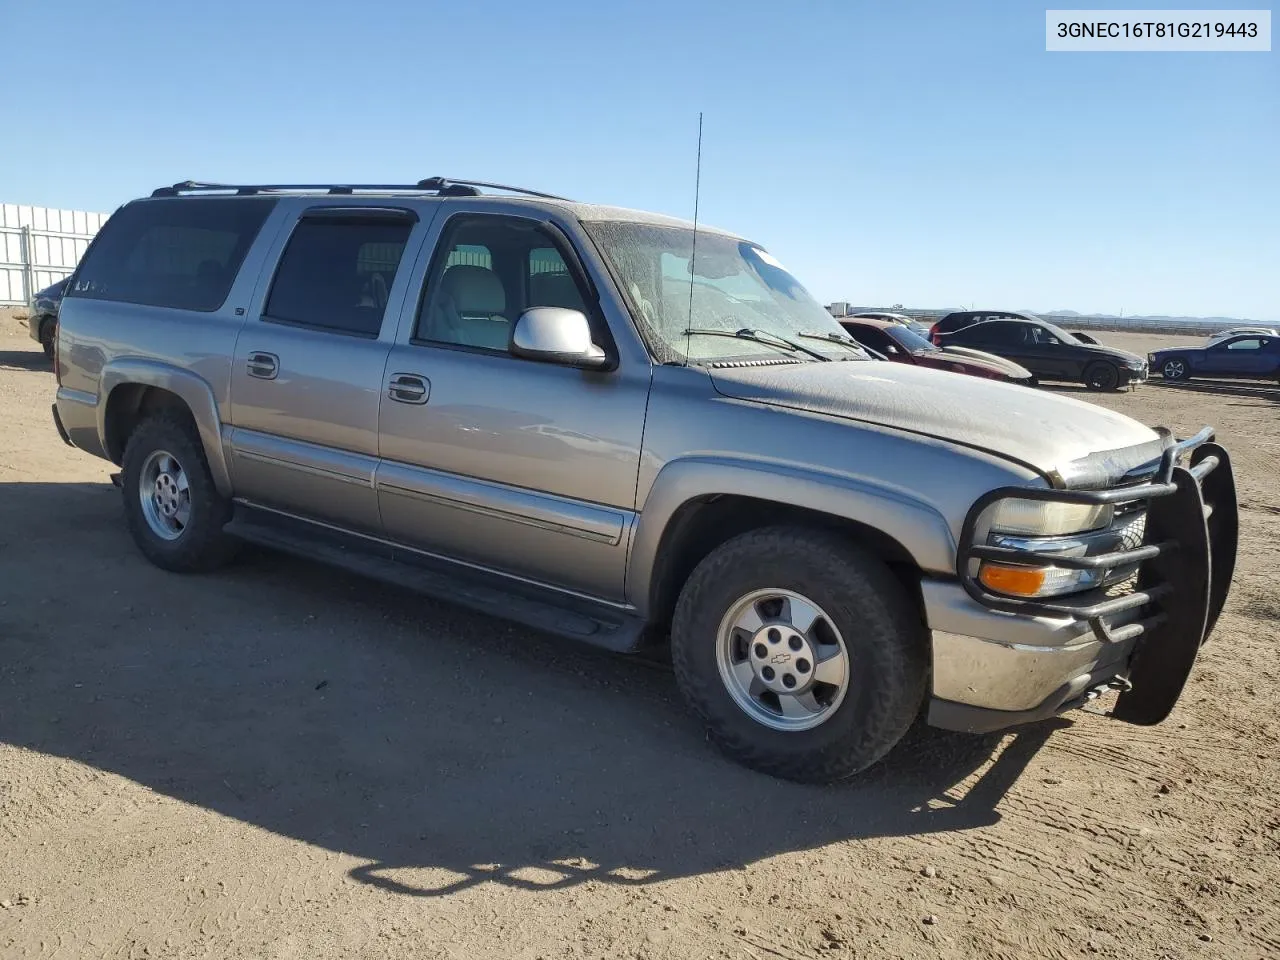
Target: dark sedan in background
<point x="42" y="315"/>
<point x="900" y="343"/>
<point x="1050" y="352"/>
<point x="1250" y="356"/>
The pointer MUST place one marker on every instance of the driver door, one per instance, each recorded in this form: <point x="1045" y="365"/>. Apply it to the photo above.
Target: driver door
<point x="1050" y="357"/>
<point x="519" y="466"/>
<point x="1239" y="357"/>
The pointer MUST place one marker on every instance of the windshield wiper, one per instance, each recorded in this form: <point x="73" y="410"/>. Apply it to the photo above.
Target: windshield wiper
<point x="849" y="342"/>
<point x="757" y="336"/>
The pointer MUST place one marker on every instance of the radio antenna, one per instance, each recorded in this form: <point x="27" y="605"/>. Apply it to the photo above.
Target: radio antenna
<point x="693" y="256"/>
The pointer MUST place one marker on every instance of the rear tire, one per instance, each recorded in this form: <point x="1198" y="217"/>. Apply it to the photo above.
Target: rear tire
<point x="1101" y="376"/>
<point x="171" y="505"/>
<point x="862" y="610"/>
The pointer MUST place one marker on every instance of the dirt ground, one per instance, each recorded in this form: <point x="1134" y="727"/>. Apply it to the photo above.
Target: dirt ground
<point x="281" y="761"/>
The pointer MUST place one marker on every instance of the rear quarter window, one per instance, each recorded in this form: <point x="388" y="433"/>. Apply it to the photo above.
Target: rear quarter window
<point x="180" y="252"/>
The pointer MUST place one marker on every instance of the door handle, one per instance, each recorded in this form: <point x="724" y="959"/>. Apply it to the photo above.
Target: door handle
<point x="264" y="366"/>
<point x="409" y="388"/>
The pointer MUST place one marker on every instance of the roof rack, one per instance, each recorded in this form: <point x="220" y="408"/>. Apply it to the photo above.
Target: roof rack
<point x="439" y="186"/>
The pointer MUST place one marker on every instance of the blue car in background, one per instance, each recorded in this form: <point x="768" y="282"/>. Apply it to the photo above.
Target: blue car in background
<point x="1251" y="355"/>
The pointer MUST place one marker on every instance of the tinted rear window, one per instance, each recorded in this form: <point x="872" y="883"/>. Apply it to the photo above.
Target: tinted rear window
<point x="182" y="253"/>
<point x="337" y="274"/>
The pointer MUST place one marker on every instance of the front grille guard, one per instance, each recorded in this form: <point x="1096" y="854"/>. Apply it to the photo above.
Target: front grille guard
<point x="1192" y="534"/>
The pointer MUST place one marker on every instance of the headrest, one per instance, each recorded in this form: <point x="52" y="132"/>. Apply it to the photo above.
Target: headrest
<point x="473" y="289"/>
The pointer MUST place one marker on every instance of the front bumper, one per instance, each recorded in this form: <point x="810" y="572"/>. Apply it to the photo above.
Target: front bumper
<point x="1130" y="376"/>
<point x="993" y="669"/>
<point x="1000" y="661"/>
<point x="62" y="431"/>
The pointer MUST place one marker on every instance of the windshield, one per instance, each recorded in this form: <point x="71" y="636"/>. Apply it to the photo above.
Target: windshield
<point x="908" y="338"/>
<point x="1058" y="332"/>
<point x="735" y="285"/>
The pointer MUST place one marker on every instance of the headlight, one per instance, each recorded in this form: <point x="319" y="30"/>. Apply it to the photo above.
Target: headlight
<point x="1049" y="518"/>
<point x="1045" y="527"/>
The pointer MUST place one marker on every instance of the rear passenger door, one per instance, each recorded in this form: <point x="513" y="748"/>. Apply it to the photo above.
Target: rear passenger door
<point x="310" y="360"/>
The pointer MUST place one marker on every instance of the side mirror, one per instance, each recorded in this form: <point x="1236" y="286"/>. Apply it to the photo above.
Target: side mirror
<point x="556" y="335"/>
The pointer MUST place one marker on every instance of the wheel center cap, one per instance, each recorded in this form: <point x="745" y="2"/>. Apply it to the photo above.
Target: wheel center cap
<point x="782" y="658"/>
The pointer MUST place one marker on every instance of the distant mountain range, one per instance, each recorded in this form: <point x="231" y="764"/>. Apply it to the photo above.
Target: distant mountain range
<point x="1158" y="318"/>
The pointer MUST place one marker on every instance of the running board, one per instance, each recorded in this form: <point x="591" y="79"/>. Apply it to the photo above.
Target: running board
<point x="526" y="604"/>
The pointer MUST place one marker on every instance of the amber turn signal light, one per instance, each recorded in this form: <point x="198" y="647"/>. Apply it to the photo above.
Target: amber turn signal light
<point x="1017" y="581"/>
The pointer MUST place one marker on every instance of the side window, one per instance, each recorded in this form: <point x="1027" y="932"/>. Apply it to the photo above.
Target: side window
<point x="1253" y="343"/>
<point x="869" y="337"/>
<point x="488" y="270"/>
<point x="979" y="333"/>
<point x="335" y="274"/>
<point x="181" y="252"/>
<point x="549" y="282"/>
<point x="1002" y="334"/>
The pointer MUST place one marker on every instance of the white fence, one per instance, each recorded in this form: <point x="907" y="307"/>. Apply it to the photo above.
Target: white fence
<point x="40" y="246"/>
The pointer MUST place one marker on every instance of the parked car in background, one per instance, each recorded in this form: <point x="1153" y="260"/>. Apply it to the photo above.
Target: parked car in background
<point x="1249" y="356"/>
<point x="921" y="329"/>
<point x="1051" y="353"/>
<point x="900" y="343"/>
<point x="42" y="315"/>
<point x="1240" y="332"/>
<point x="967" y="318"/>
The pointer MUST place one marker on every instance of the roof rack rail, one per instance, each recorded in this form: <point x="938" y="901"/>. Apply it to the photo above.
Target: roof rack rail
<point x="432" y="183"/>
<point x="439" y="186"/>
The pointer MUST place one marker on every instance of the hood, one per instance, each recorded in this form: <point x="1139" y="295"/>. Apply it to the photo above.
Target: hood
<point x="1043" y="430"/>
<point x="1104" y="351"/>
<point x="969" y="355"/>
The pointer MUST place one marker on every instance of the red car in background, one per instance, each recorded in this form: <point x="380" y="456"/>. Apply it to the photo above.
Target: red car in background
<point x="899" y="343"/>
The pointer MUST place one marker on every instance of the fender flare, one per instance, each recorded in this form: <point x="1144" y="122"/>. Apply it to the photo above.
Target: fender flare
<point x="190" y="387"/>
<point x="916" y="525"/>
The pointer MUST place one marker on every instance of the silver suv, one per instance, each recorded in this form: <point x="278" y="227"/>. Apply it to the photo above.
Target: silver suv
<point x="603" y="424"/>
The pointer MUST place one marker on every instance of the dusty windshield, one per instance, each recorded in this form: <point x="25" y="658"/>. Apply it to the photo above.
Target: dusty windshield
<point x="735" y="285"/>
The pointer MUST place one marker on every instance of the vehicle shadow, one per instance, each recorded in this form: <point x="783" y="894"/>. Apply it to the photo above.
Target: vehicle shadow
<point x="1080" y="388"/>
<point x="1253" y="389"/>
<point x="24" y="360"/>
<point x="443" y="749"/>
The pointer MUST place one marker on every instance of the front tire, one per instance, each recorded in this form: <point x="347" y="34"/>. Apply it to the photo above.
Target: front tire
<point x="801" y="652"/>
<point x="171" y="505"/>
<point x="1101" y="377"/>
<point x="1175" y="368"/>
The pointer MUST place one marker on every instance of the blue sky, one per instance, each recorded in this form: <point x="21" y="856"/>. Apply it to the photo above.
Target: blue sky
<point x="930" y="154"/>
